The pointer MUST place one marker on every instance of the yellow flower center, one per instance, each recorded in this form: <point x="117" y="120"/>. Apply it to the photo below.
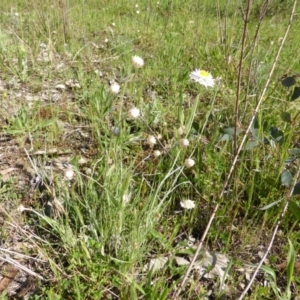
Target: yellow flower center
<point x="204" y="74"/>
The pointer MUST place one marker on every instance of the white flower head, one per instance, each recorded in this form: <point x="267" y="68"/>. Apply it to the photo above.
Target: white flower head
<point x="115" y="88"/>
<point x="189" y="162"/>
<point x="134" y="113"/>
<point x="126" y="198"/>
<point x="137" y="61"/>
<point x="187" y="204"/>
<point x="21" y="208"/>
<point x="151" y="140"/>
<point x="203" y="77"/>
<point x="69" y="174"/>
<point x="156" y="153"/>
<point x="184" y="143"/>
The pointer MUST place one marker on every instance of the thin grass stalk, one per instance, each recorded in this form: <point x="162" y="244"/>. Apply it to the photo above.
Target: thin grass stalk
<point x="235" y="159"/>
<point x="218" y="13"/>
<point x="255" y="39"/>
<point x="240" y="69"/>
<point x="64" y="10"/>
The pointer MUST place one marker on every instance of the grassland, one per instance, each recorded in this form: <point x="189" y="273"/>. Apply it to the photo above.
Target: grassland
<point x="92" y="196"/>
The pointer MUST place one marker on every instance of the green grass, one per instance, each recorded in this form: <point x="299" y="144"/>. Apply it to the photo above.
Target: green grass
<point x="97" y="233"/>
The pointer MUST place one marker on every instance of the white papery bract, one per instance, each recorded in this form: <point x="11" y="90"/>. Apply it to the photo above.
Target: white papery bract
<point x="187" y="204"/>
<point x="137" y="61"/>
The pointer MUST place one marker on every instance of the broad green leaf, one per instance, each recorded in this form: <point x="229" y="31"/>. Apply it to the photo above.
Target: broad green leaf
<point x="296" y="190"/>
<point x="288" y="81"/>
<point x="231" y="131"/>
<point x="296" y="93"/>
<point x="294" y="151"/>
<point x="225" y="138"/>
<point x="255" y="132"/>
<point x="290" y="160"/>
<point x="295" y="209"/>
<point x="196" y="126"/>
<point x="286" y="117"/>
<point x="277" y="135"/>
<point x="286" y="178"/>
<point x="251" y="145"/>
<point x="255" y="124"/>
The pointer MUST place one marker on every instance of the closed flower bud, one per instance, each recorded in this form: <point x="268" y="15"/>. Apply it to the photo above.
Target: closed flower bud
<point x="189" y="162"/>
<point x="184" y="142"/>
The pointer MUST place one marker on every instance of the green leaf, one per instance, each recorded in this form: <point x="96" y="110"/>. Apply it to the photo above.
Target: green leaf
<point x="286" y="117"/>
<point x="254" y="132"/>
<point x="288" y="81"/>
<point x="277" y="135"/>
<point x="289" y="160"/>
<point x="294" y="151"/>
<point x="294" y="209"/>
<point x="270" y="205"/>
<point x="196" y="126"/>
<point x="231" y="131"/>
<point x="251" y="145"/>
<point x="286" y="178"/>
<point x="296" y="93"/>
<point x="269" y="271"/>
<point x="225" y="138"/>
<point x="296" y="190"/>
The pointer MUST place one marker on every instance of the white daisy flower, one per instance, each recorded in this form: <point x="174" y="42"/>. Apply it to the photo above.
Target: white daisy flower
<point x="184" y="143"/>
<point x="115" y="88"/>
<point x="187" y="204"/>
<point x="189" y="162"/>
<point x="203" y="77"/>
<point x="134" y="113"/>
<point x="137" y="61"/>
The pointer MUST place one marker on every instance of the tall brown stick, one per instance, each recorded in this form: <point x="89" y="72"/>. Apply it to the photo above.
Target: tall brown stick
<point x="240" y="69"/>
